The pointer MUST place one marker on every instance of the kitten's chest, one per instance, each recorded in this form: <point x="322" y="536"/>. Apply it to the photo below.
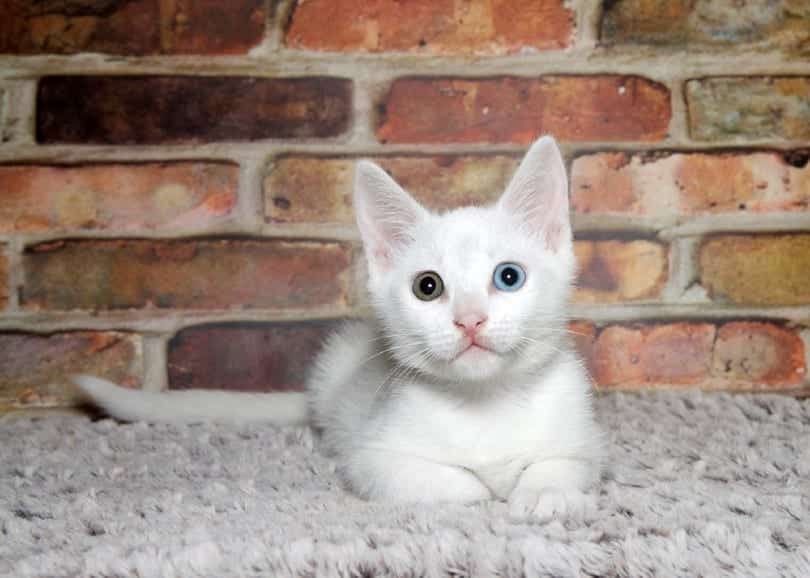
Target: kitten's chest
<point x="495" y="440"/>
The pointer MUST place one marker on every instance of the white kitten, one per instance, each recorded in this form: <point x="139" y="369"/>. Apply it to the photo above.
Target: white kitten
<point x="466" y="387"/>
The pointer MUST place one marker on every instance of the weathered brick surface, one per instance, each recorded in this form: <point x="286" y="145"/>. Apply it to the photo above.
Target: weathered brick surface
<point x="759" y="353"/>
<point x="638" y="356"/>
<point x="511" y="109"/>
<point x="131" y="27"/>
<point x="213" y="274"/>
<point x="124" y="197"/>
<point x="742" y="355"/>
<point x="185" y="109"/>
<point x="612" y="271"/>
<point x="312" y="189"/>
<point x="34" y="368"/>
<point x="434" y="26"/>
<point x="686" y="24"/>
<point x="246" y="357"/>
<point x="749" y="108"/>
<point x="757" y="269"/>
<point x="686" y="184"/>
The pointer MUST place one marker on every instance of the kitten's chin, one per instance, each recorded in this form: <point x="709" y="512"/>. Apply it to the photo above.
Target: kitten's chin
<point x="475" y="364"/>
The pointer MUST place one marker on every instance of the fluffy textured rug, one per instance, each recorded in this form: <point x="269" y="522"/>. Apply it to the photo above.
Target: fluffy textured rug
<point x="698" y="485"/>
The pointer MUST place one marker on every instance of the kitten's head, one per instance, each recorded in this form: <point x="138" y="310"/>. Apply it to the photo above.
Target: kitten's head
<point x="477" y="291"/>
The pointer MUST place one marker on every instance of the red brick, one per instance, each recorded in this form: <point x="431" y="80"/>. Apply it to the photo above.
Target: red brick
<point x="313" y="189"/>
<point x="685" y="184"/>
<point x="763" y="354"/>
<point x="753" y="108"/>
<point x="125" y="197"/>
<point x="132" y="27"/>
<point x="34" y="368"/>
<point x="186" y="109"/>
<point x="642" y="356"/>
<point x="512" y="109"/>
<point x="611" y="271"/>
<point x="217" y="274"/>
<point x="246" y="357"/>
<point x="433" y="26"/>
<point x="3" y="277"/>
<point x="689" y="25"/>
<point x="757" y="269"/>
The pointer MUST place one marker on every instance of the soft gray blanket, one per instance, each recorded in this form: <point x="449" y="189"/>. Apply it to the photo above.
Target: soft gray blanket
<point x="698" y="485"/>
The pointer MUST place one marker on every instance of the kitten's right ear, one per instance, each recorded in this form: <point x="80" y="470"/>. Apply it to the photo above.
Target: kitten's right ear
<point x="386" y="214"/>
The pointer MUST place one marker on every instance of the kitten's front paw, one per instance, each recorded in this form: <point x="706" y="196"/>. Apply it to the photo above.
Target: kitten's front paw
<point x="548" y="504"/>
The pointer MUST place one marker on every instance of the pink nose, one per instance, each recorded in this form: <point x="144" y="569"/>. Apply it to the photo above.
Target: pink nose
<point x="470" y="324"/>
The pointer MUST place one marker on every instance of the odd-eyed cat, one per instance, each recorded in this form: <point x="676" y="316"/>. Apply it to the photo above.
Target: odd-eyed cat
<point x="464" y="387"/>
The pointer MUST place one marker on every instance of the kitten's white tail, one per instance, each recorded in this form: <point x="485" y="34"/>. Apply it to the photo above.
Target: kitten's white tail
<point x="187" y="406"/>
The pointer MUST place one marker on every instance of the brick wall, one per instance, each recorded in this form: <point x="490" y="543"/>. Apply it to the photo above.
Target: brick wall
<point x="175" y="177"/>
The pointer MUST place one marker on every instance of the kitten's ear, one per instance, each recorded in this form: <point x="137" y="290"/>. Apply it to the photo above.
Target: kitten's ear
<point x="538" y="194"/>
<point x="386" y="214"/>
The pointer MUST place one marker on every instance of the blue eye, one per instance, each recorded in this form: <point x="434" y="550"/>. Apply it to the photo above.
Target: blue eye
<point x="509" y="277"/>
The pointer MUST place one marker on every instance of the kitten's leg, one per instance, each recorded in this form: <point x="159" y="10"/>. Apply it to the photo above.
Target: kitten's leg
<point x="554" y="489"/>
<point x="389" y="476"/>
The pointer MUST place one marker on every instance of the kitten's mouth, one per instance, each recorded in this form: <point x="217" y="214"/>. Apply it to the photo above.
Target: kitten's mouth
<point x="473" y="348"/>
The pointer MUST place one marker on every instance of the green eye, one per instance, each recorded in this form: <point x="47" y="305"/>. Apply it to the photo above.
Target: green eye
<point x="427" y="286"/>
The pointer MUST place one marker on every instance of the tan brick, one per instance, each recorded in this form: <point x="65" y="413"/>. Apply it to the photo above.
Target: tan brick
<point x="685" y="184"/>
<point x="311" y="189"/>
<point x="34" y="368"/>
<point x="189" y="109"/>
<point x="132" y="27"/>
<point x="246" y="357"/>
<point x="690" y="25"/>
<point x="512" y="109"/>
<point x="757" y="269"/>
<point x="738" y="108"/>
<point x="611" y="271"/>
<point x="433" y="26"/>
<point x="125" y="197"/>
<point x="213" y="274"/>
<point x="644" y="356"/>
<point x="763" y="354"/>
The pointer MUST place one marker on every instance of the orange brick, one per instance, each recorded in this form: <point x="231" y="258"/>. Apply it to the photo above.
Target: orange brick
<point x="312" y="189"/>
<point x="211" y="274"/>
<point x="757" y="269"/>
<point x="127" y="197"/>
<point x="246" y="357"/>
<point x="645" y="356"/>
<point x="685" y="184"/>
<point x="512" y="109"/>
<point x="762" y="354"/>
<point x="611" y="271"/>
<point x="34" y="368"/>
<point x="434" y="26"/>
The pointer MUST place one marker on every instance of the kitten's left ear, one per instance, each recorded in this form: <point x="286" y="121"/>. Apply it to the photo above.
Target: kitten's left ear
<point x="538" y="194"/>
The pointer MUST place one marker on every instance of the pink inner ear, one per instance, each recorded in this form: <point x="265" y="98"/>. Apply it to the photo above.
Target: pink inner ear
<point x="381" y="256"/>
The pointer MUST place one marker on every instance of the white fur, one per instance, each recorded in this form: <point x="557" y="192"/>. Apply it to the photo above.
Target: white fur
<point x="406" y="409"/>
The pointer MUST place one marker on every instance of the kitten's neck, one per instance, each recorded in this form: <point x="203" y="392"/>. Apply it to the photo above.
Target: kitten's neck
<point x="516" y="379"/>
